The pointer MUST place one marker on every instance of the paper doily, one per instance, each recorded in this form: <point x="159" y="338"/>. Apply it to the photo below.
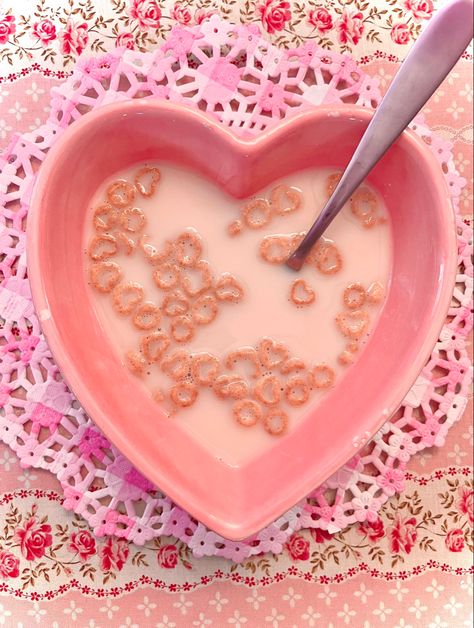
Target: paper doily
<point x="234" y="74"/>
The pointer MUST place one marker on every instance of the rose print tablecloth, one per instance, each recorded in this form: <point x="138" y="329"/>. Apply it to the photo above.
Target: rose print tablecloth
<point x="409" y="567"/>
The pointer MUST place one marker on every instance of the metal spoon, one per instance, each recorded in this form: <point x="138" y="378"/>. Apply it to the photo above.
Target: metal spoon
<point x="426" y="66"/>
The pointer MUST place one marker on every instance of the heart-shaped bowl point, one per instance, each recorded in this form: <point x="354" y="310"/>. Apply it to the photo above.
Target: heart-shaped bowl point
<point x="237" y="500"/>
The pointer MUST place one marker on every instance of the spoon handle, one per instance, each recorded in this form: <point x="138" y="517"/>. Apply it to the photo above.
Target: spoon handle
<point x="428" y="63"/>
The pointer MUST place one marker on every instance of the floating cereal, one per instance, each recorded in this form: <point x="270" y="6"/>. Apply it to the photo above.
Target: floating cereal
<point x="120" y="194"/>
<point x="204" y="368"/>
<point x="228" y="288"/>
<point x="285" y="199"/>
<point x="297" y="390"/>
<point x="275" y="249"/>
<point x="331" y="182"/>
<point x="230" y="386"/>
<point x="268" y="390"/>
<point x="146" y="180"/>
<point x="182" y="328"/>
<point x="352" y="347"/>
<point x="345" y="358"/>
<point x="375" y="293"/>
<point x="272" y="353"/>
<point x="204" y="309"/>
<point x="147" y="316"/>
<point x="135" y="362"/>
<point x="197" y="279"/>
<point x="353" y="324"/>
<point x="105" y="276"/>
<point x="175" y="303"/>
<point x="125" y="243"/>
<point x="166" y="276"/>
<point x="276" y="422"/>
<point x="293" y="365"/>
<point x="247" y="355"/>
<point x="327" y="257"/>
<point x="127" y="296"/>
<point x="154" y="345"/>
<point x="301" y="293"/>
<point x="257" y="213"/>
<point x="152" y="254"/>
<point x="188" y="248"/>
<point x="132" y="219"/>
<point x="234" y="228"/>
<point x="176" y="365"/>
<point x="102" y="246"/>
<point x="354" y="296"/>
<point x="184" y="394"/>
<point x="247" y="412"/>
<point x="105" y="217"/>
<point x="323" y="376"/>
<point x="364" y="206"/>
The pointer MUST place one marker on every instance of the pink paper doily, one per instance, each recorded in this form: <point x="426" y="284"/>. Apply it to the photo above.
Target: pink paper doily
<point x="237" y="76"/>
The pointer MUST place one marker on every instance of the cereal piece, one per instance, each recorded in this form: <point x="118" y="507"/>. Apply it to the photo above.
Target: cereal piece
<point x="175" y="303"/>
<point x="331" y="182"/>
<point x="297" y="391"/>
<point x="234" y="228"/>
<point x="345" y="358"/>
<point x="135" y="362"/>
<point x="154" y="345"/>
<point x="257" y="213"/>
<point x="352" y="347"/>
<point x="105" y="276"/>
<point x="327" y="257"/>
<point x="276" y="422"/>
<point x="354" y="296"/>
<point x="184" y="394"/>
<point x="125" y="243"/>
<point x="204" y="309"/>
<point x="132" y="219"/>
<point x="152" y="254"/>
<point x="285" y="199"/>
<point x="272" y="353"/>
<point x="323" y="376"/>
<point x="176" y="365"/>
<point x="102" y="246"/>
<point x="230" y="386"/>
<point x="182" y="329"/>
<point x="364" y="206"/>
<point x="147" y="316"/>
<point x="248" y="355"/>
<point x="127" y="296"/>
<point x="267" y="390"/>
<point x="353" y="324"/>
<point x="188" y="248"/>
<point x="197" y="279"/>
<point x="247" y="412"/>
<point x="166" y="276"/>
<point x="204" y="368"/>
<point x="275" y="249"/>
<point x="105" y="217"/>
<point x="375" y="293"/>
<point x="301" y="293"/>
<point x="146" y="180"/>
<point x="293" y="365"/>
<point x="120" y="193"/>
<point x="228" y="288"/>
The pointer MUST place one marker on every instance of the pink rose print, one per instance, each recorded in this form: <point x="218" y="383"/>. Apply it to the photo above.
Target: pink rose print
<point x="125" y="39"/>
<point x="298" y="547"/>
<point x="34" y="539"/>
<point x="45" y="31"/>
<point x="274" y="15"/>
<point x="181" y="14"/>
<point x="350" y="27"/>
<point x="466" y="502"/>
<point x="421" y="9"/>
<point x="403" y="535"/>
<point x="321" y="20"/>
<point x="73" y="39"/>
<point x="320" y="536"/>
<point x="146" y="12"/>
<point x="9" y="565"/>
<point x="400" y="34"/>
<point x="201" y="15"/>
<point x="7" y="27"/>
<point x="113" y="554"/>
<point x="168" y="556"/>
<point x="455" y="540"/>
<point x="83" y="544"/>
<point x="373" y="530"/>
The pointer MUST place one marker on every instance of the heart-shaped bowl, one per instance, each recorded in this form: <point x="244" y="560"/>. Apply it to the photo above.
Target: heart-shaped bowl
<point x="238" y="500"/>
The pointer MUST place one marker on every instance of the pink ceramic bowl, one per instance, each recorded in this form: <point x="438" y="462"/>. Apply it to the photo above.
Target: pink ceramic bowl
<point x="237" y="501"/>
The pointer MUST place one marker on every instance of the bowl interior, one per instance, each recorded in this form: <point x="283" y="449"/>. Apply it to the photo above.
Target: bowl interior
<point x="238" y="500"/>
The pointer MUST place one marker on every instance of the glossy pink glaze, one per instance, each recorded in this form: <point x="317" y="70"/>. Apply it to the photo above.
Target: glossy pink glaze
<point x="237" y="501"/>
